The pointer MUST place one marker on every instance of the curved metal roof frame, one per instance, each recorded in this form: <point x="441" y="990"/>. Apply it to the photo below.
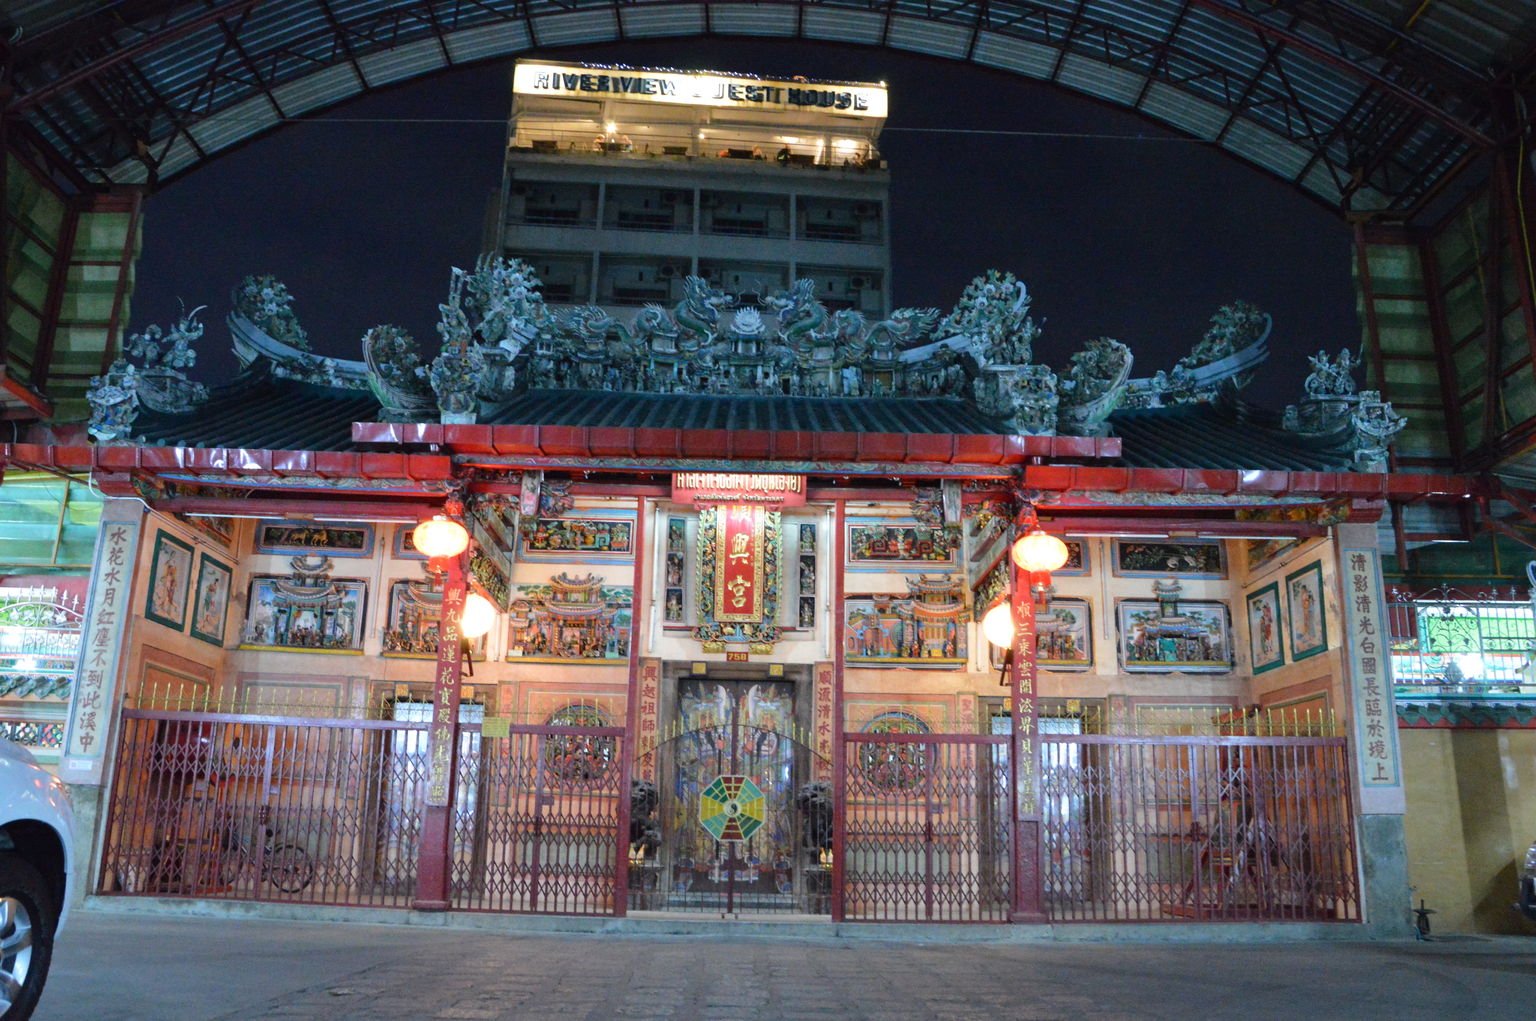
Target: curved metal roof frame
<point x="1368" y="105"/>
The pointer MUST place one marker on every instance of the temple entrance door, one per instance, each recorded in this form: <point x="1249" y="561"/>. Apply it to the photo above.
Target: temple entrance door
<point x="732" y="771"/>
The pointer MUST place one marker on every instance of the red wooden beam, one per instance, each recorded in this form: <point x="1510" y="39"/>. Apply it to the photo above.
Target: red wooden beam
<point x="1146" y="524"/>
<point x="279" y="507"/>
<point x="786" y="445"/>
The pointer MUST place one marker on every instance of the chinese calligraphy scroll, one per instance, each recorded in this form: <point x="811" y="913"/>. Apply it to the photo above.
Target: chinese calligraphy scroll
<point x="1375" y="717"/>
<point x="106" y="622"/>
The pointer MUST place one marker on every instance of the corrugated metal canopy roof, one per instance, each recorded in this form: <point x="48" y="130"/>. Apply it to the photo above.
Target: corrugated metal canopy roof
<point x="1366" y="104"/>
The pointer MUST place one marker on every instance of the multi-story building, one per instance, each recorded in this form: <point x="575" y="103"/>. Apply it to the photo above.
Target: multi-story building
<point x="622" y="182"/>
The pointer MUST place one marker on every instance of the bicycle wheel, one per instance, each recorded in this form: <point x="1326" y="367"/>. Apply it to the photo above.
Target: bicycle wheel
<point x="289" y="868"/>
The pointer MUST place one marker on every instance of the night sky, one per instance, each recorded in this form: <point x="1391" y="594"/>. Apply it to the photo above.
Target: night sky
<point x="1139" y="237"/>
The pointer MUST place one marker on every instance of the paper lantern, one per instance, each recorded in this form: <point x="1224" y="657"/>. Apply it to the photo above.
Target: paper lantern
<point x="478" y="616"/>
<point x="1037" y="550"/>
<point x="441" y="538"/>
<point x="997" y="625"/>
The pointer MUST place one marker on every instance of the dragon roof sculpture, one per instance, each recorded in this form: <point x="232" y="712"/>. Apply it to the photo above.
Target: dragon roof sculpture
<point x="500" y="340"/>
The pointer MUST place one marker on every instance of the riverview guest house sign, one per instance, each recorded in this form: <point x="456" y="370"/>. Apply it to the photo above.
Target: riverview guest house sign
<point x="577" y="82"/>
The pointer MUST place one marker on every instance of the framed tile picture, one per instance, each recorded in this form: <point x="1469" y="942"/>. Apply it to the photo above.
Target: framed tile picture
<point x="1266" y="647"/>
<point x="170" y="576"/>
<point x="210" y="600"/>
<point x="1195" y="639"/>
<point x="1304" y="603"/>
<point x="1077" y="558"/>
<point x="312" y="537"/>
<point x="1180" y="558"/>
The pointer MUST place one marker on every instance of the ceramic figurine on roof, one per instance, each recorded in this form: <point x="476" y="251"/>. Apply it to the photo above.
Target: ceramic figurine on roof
<point x="396" y="376"/>
<point x="993" y="314"/>
<point x="266" y="330"/>
<point x="1224" y="360"/>
<point x="457" y="371"/>
<point x="1332" y="410"/>
<point x="1094" y="387"/>
<point x="157" y="382"/>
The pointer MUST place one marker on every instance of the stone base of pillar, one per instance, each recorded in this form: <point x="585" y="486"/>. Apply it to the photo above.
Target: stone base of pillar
<point x="1384" y="895"/>
<point x="89" y="802"/>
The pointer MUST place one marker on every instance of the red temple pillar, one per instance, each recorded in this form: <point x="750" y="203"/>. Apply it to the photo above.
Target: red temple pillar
<point x="1024" y="755"/>
<point x="435" y="860"/>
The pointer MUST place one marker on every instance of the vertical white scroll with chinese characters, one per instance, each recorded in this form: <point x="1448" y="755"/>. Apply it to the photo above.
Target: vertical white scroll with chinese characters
<point x="1375" y="717"/>
<point x="93" y="700"/>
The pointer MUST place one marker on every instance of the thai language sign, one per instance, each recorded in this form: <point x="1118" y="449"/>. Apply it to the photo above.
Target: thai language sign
<point x="1375" y="717"/>
<point x="739" y="487"/>
<point x="697" y="89"/>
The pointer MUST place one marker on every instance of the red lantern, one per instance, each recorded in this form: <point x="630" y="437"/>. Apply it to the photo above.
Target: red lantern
<point x="441" y="537"/>
<point x="1039" y="551"/>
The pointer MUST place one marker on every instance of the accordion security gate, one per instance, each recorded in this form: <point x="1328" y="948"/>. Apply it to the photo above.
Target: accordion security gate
<point x="925" y="829"/>
<point x="329" y="811"/>
<point x="1135" y="828"/>
<point x="1169" y="828"/>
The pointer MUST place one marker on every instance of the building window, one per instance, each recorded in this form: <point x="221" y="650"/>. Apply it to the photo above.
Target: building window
<point x="1450" y="641"/>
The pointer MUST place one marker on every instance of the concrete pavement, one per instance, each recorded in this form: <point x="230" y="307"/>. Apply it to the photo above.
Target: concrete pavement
<point x="157" y="967"/>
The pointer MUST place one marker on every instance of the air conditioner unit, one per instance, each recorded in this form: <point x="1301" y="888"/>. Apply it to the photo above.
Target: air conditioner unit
<point x="668" y="271"/>
<point x="857" y="283"/>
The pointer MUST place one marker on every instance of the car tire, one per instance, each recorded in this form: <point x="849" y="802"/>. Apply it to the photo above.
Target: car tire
<point x="28" y="918"/>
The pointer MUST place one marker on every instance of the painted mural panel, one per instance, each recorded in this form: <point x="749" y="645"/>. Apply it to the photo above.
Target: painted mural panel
<point x="305" y="614"/>
<point x="310" y="537"/>
<point x="1188" y="636"/>
<point x="581" y="537"/>
<point x="1266" y="648"/>
<point x="1077" y="559"/>
<point x="925" y="626"/>
<point x="1304" y="599"/>
<point x="879" y="544"/>
<point x="170" y="577"/>
<point x="571" y="619"/>
<point x="210" y="602"/>
<point x="1184" y="558"/>
<point x="1063" y="635"/>
<point x="411" y="622"/>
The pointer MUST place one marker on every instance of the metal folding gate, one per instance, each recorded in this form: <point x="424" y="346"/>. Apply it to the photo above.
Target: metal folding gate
<point x="546" y="828"/>
<point x="272" y="808"/>
<point x="1167" y="827"/>
<point x="925" y="830"/>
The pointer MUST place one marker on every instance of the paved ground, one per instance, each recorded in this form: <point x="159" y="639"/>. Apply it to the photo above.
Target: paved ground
<point x="112" y="967"/>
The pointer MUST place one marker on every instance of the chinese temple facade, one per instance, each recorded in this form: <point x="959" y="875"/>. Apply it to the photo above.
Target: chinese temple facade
<point x="739" y="566"/>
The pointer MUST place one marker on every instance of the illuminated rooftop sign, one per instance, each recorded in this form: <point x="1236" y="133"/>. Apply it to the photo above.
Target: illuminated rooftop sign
<point x="697" y="89"/>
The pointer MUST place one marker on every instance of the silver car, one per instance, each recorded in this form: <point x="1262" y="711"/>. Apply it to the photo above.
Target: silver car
<point x="36" y="858"/>
<point x="1526" y="902"/>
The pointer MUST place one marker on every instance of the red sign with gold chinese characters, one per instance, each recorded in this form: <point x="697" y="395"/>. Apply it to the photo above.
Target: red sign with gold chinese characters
<point x="739" y="564"/>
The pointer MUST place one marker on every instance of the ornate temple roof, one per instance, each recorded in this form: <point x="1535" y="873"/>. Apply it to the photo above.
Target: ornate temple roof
<point x="258" y="411"/>
<point x="263" y="413"/>
<point x="743" y="378"/>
